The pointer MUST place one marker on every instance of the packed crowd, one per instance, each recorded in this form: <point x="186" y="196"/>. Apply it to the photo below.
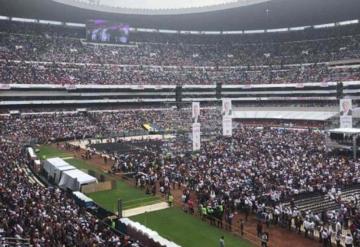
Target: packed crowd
<point x="138" y="37"/>
<point x="67" y="126"/>
<point x="49" y="57"/>
<point x="64" y="74"/>
<point x="230" y="164"/>
<point x="32" y="214"/>
<point x="257" y="170"/>
<point x="48" y="48"/>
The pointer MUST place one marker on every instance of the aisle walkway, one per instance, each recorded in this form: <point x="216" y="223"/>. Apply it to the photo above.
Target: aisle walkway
<point x="145" y="209"/>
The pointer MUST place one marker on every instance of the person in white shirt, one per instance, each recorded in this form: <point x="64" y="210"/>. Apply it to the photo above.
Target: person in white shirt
<point x="306" y="227"/>
<point x="348" y="240"/>
<point x="324" y="236"/>
<point x="338" y="227"/>
<point x="312" y="228"/>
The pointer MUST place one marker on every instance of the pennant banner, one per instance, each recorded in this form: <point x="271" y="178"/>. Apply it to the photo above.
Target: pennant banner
<point x="227" y="126"/>
<point x="196" y="136"/>
<point x="227" y="117"/>
<point x="195" y="111"/>
<point x="226" y="107"/>
<point x="345" y="113"/>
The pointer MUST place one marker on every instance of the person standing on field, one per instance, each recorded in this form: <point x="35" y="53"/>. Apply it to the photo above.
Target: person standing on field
<point x="222" y="242"/>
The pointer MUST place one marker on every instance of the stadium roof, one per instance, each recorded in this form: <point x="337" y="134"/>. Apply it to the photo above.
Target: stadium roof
<point x="159" y="4"/>
<point x="159" y="7"/>
<point x="264" y="15"/>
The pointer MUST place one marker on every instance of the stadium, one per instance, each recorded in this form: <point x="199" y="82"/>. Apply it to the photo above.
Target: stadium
<point x="193" y="123"/>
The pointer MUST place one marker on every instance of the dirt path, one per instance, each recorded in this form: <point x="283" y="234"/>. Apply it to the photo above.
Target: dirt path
<point x="279" y="237"/>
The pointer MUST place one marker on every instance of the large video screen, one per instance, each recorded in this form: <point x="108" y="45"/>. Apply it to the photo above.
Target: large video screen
<point x="107" y="32"/>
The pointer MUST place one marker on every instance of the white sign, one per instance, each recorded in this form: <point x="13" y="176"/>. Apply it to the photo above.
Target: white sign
<point x="227" y="117"/>
<point x="227" y="126"/>
<point x="226" y="107"/>
<point x="195" y="111"/>
<point x="345" y="113"/>
<point x="196" y="136"/>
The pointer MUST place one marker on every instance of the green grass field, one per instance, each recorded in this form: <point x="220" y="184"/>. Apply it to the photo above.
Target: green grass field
<point x="46" y="152"/>
<point x="187" y="230"/>
<point x="131" y="196"/>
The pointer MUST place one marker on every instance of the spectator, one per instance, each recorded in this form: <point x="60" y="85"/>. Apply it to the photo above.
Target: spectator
<point x="264" y="239"/>
<point x="222" y="242"/>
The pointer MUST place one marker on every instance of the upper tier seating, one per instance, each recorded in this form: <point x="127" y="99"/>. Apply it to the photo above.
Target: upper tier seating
<point x="50" y="56"/>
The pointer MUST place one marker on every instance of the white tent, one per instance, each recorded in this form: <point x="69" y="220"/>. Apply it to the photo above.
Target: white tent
<point x="348" y="131"/>
<point x="55" y="166"/>
<point x="291" y="115"/>
<point x="74" y="179"/>
<point x="59" y="170"/>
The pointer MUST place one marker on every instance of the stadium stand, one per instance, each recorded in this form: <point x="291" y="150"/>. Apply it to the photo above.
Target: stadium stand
<point x="56" y="87"/>
<point x="40" y="56"/>
<point x="32" y="213"/>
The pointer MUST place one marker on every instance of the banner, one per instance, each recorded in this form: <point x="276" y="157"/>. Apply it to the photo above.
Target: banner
<point x="226" y="107"/>
<point x="195" y="111"/>
<point x="345" y="113"/>
<point x="227" y="117"/>
<point x="227" y="126"/>
<point x="196" y="136"/>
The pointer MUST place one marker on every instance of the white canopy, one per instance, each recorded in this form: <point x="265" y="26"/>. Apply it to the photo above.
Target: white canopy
<point x="292" y="115"/>
<point x="54" y="167"/>
<point x="59" y="170"/>
<point x="345" y="130"/>
<point x="74" y="179"/>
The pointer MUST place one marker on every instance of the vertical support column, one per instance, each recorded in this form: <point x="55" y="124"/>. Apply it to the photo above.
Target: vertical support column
<point x="178" y="96"/>
<point x="354" y="147"/>
<point x="218" y="90"/>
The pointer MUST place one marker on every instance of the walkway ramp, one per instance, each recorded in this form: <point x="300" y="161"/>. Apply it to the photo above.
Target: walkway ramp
<point x="145" y="209"/>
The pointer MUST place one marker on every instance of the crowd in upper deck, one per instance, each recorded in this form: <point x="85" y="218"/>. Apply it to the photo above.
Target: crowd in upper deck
<point x="57" y="55"/>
